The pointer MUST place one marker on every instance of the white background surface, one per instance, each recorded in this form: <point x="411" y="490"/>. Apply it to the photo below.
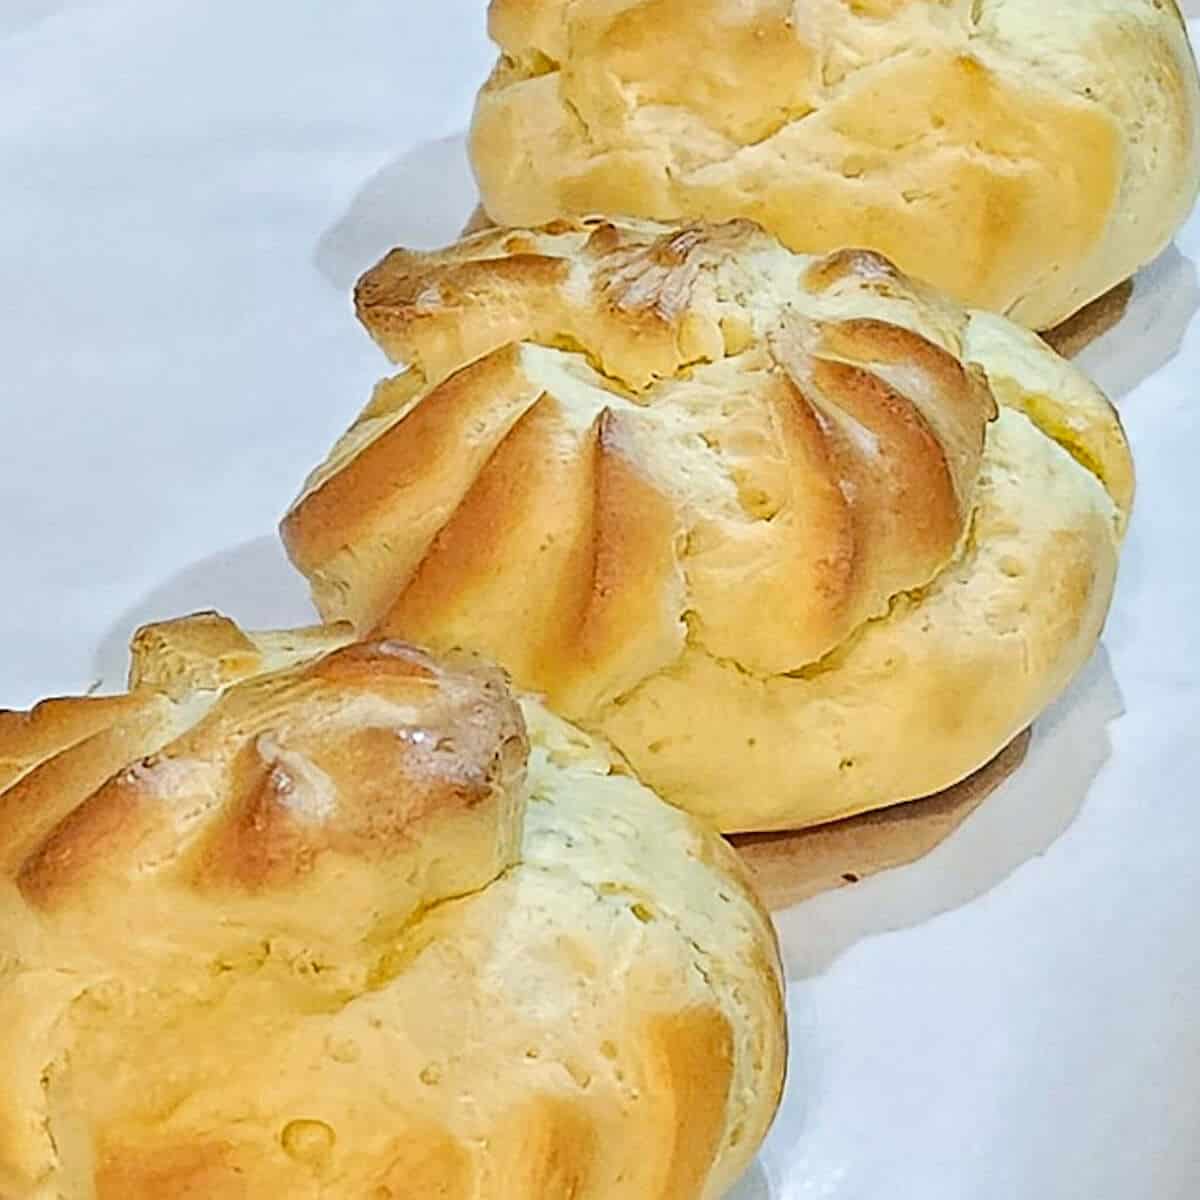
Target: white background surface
<point x="187" y="190"/>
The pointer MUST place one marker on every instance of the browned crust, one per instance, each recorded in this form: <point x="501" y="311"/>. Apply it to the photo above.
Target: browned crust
<point x="398" y="289"/>
<point x="871" y="269"/>
<point x="872" y="524"/>
<point x="205" y="650"/>
<point x="693" y="1057"/>
<point x="549" y="1148"/>
<point x="408" y="459"/>
<point x="910" y="486"/>
<point x="283" y="771"/>
<point x="188" y="1172"/>
<point x="788" y="868"/>
<point x="801" y="442"/>
<point x="944" y="141"/>
<point x="1069" y="338"/>
<point x="427" y="310"/>
<point x="530" y="504"/>
<point x="76" y="766"/>
<point x="26" y="738"/>
<point x="195" y="1019"/>
<point x="622" y="617"/>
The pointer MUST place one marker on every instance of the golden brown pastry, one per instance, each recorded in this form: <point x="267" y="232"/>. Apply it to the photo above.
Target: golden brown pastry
<point x="756" y="518"/>
<point x="297" y="918"/>
<point x="1023" y="155"/>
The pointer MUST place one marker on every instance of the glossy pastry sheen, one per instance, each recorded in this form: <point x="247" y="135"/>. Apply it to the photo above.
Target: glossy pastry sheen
<point x="296" y="918"/>
<point x="1023" y="155"/>
<point x="755" y="517"/>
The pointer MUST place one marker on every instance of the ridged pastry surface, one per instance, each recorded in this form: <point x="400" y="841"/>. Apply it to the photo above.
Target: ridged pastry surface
<point x="1023" y="155"/>
<point x="310" y="918"/>
<point x="799" y="536"/>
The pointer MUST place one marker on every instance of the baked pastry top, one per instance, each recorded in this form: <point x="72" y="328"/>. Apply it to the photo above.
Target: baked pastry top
<point x="1023" y="155"/>
<point x="755" y="517"/>
<point x="298" y="917"/>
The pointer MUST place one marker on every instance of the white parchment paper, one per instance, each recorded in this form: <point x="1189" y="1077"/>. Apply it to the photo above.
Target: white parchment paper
<point x="187" y="190"/>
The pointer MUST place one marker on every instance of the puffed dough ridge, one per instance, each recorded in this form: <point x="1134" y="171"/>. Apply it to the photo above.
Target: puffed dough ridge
<point x="799" y="536"/>
<point x="1025" y="156"/>
<point x="302" y="917"/>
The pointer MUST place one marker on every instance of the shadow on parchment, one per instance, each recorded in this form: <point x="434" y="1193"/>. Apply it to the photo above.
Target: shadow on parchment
<point x="421" y="200"/>
<point x="253" y="583"/>
<point x="752" y="1186"/>
<point x="424" y="197"/>
<point x="1166" y="296"/>
<point x="1018" y="822"/>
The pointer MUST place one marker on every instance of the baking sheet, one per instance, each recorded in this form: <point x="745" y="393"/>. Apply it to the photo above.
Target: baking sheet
<point x="188" y="190"/>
